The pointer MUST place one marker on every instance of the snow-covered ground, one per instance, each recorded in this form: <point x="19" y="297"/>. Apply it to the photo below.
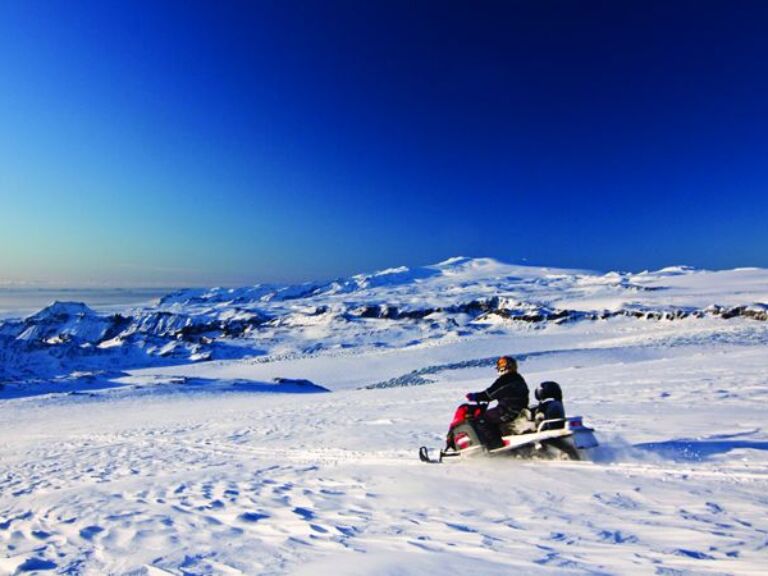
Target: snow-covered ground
<point x="213" y="468"/>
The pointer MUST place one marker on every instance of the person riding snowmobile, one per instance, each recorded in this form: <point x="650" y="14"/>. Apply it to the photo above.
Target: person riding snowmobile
<point x="511" y="393"/>
<point x="550" y="406"/>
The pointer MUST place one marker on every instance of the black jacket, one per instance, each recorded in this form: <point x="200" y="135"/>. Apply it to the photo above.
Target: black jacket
<point x="510" y="390"/>
<point x="550" y="409"/>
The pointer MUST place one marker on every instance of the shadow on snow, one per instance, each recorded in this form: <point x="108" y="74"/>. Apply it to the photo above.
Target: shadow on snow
<point x="686" y="450"/>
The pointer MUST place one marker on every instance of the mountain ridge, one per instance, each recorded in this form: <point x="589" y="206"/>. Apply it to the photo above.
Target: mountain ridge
<point x="393" y="307"/>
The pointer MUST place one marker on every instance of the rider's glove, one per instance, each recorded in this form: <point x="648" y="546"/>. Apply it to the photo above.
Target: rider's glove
<point x="472" y="397"/>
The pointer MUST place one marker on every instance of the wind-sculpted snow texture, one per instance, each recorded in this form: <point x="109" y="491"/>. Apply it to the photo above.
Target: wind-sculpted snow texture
<point x="399" y="307"/>
<point x="274" y="430"/>
<point x="209" y="483"/>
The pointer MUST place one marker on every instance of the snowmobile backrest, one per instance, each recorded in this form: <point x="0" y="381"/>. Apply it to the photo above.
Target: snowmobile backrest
<point x="551" y="424"/>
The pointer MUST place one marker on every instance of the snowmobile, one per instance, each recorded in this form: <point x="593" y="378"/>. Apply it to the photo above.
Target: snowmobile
<point x="525" y="437"/>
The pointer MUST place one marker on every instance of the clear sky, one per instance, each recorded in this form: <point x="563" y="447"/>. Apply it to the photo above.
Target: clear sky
<point x="197" y="143"/>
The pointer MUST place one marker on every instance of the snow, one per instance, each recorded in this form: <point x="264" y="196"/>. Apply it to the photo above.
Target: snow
<point x="394" y="308"/>
<point x="215" y="467"/>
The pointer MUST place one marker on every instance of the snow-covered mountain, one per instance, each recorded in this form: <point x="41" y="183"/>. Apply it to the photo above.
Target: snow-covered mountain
<point x="274" y="429"/>
<point x="392" y="308"/>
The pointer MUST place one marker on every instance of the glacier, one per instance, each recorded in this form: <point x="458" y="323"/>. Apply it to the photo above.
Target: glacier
<point x="273" y="429"/>
<point x="461" y="297"/>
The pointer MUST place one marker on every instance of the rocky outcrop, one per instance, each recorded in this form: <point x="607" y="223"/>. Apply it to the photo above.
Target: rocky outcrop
<point x="757" y="311"/>
<point x="395" y="307"/>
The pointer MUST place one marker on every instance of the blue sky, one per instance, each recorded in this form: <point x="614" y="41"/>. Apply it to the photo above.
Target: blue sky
<point x="201" y="143"/>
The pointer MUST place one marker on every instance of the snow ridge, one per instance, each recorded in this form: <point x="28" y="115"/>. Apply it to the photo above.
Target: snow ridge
<point x="391" y="308"/>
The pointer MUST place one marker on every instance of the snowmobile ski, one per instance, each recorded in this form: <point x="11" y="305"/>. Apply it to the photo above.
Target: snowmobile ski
<point x="425" y="457"/>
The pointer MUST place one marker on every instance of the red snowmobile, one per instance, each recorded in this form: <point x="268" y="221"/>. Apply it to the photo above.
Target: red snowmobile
<point x="530" y="435"/>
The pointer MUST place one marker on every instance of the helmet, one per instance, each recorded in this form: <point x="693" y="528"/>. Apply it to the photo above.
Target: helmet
<point x="547" y="390"/>
<point x="506" y="364"/>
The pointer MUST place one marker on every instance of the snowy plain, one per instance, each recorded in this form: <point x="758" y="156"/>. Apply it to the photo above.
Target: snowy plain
<point x="210" y="467"/>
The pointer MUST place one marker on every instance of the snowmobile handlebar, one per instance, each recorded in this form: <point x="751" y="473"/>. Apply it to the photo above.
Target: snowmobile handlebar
<point x="475" y="398"/>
